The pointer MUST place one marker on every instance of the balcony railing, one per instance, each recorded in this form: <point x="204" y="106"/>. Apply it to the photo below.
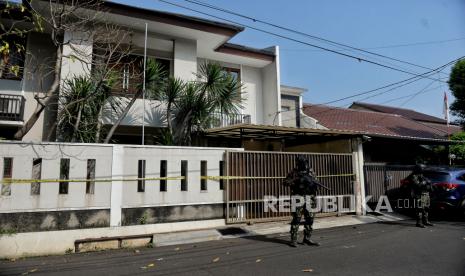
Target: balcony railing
<point x="11" y="107"/>
<point x="223" y="120"/>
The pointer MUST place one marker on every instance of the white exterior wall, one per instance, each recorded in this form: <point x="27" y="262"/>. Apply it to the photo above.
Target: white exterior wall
<point x="288" y="118"/>
<point x="155" y="115"/>
<point x="252" y="80"/>
<point x="185" y="59"/>
<point x="173" y="196"/>
<point x="80" y="46"/>
<point x="49" y="199"/>
<point x="108" y="165"/>
<point x="272" y="92"/>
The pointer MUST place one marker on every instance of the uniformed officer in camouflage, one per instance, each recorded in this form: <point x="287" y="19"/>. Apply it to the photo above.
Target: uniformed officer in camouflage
<point x="420" y="191"/>
<point x="302" y="182"/>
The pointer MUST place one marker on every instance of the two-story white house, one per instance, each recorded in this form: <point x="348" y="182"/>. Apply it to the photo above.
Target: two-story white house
<point x="180" y="42"/>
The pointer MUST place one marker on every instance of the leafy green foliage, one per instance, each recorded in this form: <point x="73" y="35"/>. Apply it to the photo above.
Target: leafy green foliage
<point x="458" y="149"/>
<point x="82" y="100"/>
<point x="457" y="86"/>
<point x="189" y="105"/>
<point x="12" y="36"/>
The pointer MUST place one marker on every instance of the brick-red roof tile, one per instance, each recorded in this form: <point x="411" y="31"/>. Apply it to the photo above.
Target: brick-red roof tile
<point x="370" y="122"/>
<point x="407" y="113"/>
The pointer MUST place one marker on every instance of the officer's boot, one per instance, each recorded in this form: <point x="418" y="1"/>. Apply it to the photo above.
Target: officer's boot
<point x="419" y="220"/>
<point x="308" y="241"/>
<point x="293" y="242"/>
<point x="426" y="220"/>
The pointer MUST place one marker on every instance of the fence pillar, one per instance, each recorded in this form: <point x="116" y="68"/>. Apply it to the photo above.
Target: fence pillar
<point x="359" y="184"/>
<point x="116" y="186"/>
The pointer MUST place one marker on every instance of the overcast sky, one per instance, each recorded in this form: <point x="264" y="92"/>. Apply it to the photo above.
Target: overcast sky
<point x="429" y="33"/>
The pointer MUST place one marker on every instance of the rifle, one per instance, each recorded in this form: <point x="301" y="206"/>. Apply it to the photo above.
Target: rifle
<point x="311" y="178"/>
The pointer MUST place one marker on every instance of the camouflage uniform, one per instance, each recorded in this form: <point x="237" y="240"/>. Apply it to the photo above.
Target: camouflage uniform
<point x="305" y="188"/>
<point x="421" y="188"/>
<point x="297" y="216"/>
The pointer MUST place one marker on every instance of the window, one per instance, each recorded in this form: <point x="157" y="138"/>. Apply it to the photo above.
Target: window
<point x="7" y="174"/>
<point x="285" y="108"/>
<point x="36" y="175"/>
<point x="163" y="173"/>
<point x="64" y="174"/>
<point x="221" y="174"/>
<point x="184" y="170"/>
<point x="126" y="77"/>
<point x="233" y="72"/>
<point x="12" y="57"/>
<point x="141" y="174"/>
<point x="130" y="73"/>
<point x="203" y="175"/>
<point x="236" y="75"/>
<point x="90" y="184"/>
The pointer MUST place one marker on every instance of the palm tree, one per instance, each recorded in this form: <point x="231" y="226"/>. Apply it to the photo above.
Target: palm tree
<point x="215" y="91"/>
<point x="170" y="95"/>
<point x="81" y="103"/>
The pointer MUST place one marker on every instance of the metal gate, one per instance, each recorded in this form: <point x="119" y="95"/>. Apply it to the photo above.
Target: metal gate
<point x="383" y="179"/>
<point x="251" y="176"/>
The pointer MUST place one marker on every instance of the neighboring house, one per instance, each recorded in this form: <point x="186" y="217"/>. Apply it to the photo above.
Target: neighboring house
<point x="388" y="137"/>
<point x="426" y="119"/>
<point x="180" y="42"/>
<point x="291" y="108"/>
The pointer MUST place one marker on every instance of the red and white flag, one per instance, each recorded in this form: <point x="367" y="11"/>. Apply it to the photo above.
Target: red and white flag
<point x="446" y="108"/>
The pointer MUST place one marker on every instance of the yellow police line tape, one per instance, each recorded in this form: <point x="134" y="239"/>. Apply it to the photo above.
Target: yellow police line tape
<point x="265" y="177"/>
<point x="19" y="181"/>
<point x="15" y="181"/>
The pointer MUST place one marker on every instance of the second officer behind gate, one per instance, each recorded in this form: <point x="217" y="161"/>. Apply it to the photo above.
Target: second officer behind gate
<point x="303" y="183"/>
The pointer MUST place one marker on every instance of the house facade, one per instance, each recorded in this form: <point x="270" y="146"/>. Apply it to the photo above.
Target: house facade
<point x="181" y="43"/>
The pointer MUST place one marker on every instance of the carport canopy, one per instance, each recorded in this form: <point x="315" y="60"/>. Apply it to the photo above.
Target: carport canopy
<point x="249" y="131"/>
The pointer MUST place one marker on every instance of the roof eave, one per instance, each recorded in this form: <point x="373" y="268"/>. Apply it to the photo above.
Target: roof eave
<point x="239" y="50"/>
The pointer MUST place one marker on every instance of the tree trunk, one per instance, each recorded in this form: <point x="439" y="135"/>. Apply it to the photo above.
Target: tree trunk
<point x="168" y="119"/>
<point x="42" y="104"/>
<point x="76" y="125"/>
<point x="99" y="124"/>
<point x="121" y="117"/>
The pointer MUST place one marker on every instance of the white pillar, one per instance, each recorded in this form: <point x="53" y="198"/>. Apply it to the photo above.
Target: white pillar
<point x="185" y="59"/>
<point x="359" y="184"/>
<point x="77" y="55"/>
<point x="116" y="199"/>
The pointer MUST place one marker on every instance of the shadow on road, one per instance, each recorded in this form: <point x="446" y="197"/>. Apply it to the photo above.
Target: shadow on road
<point x="267" y="239"/>
<point x="435" y="217"/>
<point x="406" y="223"/>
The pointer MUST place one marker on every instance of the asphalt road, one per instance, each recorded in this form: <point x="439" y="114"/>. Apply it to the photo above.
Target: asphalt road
<point x="372" y="249"/>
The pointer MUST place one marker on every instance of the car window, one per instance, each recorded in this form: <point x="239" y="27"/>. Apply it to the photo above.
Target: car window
<point x="461" y="177"/>
<point x="437" y="176"/>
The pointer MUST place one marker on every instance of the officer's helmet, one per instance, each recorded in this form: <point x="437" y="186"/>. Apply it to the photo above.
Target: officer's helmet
<point x="302" y="163"/>
<point x="419" y="168"/>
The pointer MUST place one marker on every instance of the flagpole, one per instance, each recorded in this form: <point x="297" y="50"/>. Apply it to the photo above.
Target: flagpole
<point x="446" y="116"/>
<point x="143" y="86"/>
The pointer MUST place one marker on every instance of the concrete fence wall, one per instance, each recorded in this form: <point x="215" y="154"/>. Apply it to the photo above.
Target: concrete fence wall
<point x="26" y="206"/>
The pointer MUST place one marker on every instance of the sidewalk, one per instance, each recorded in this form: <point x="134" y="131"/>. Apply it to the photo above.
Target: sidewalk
<point x="241" y="230"/>
<point x="60" y="242"/>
